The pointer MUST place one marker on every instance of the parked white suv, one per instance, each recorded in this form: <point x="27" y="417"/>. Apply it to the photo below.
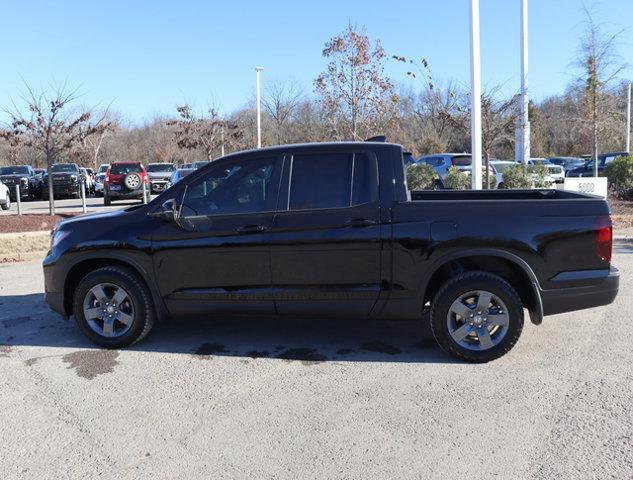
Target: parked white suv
<point x="5" y="200"/>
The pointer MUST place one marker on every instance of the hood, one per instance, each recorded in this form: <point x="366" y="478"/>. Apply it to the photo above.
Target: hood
<point x="69" y="223"/>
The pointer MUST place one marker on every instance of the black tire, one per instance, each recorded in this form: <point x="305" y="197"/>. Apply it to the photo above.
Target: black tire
<point x="106" y="200"/>
<point x="501" y="186"/>
<point x="468" y="282"/>
<point x="6" y="206"/>
<point x="144" y="313"/>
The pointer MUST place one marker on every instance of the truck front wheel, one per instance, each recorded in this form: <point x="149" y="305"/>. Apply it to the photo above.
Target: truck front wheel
<point x="476" y="316"/>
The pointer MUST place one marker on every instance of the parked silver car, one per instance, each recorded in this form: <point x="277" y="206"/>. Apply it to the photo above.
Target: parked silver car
<point x="159" y="175"/>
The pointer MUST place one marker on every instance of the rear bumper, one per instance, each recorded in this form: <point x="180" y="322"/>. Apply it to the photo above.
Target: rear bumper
<point x="124" y="193"/>
<point x="602" y="291"/>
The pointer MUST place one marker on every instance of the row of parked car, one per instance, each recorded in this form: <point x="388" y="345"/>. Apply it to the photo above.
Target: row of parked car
<point x="119" y="180"/>
<point x="558" y="167"/>
<point x="125" y="180"/>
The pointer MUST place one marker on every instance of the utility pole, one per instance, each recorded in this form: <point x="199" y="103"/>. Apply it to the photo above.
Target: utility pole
<point x="475" y="96"/>
<point x="522" y="147"/>
<point x="259" y="109"/>
<point x="628" y="121"/>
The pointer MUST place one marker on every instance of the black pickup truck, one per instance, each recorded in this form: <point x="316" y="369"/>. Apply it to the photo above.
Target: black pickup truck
<point x="332" y="230"/>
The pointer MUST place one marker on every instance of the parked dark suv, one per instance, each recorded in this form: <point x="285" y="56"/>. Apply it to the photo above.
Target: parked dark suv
<point x="24" y="176"/>
<point x="67" y="180"/>
<point x="125" y="180"/>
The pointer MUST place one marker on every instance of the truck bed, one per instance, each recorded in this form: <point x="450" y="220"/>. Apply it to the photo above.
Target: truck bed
<point x="466" y="195"/>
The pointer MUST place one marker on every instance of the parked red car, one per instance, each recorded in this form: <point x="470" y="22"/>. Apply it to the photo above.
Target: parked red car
<point x="125" y="180"/>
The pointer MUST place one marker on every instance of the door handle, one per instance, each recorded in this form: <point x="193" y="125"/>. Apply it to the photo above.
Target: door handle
<point x="360" y="222"/>
<point x="251" y="228"/>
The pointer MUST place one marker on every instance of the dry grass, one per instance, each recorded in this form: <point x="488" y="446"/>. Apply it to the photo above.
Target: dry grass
<point x="23" y="247"/>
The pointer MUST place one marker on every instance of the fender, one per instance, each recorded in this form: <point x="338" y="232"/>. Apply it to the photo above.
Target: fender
<point x="148" y="277"/>
<point x="536" y="315"/>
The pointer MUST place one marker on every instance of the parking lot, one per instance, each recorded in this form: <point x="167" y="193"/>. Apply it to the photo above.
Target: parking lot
<point x="245" y="398"/>
<point x="69" y="205"/>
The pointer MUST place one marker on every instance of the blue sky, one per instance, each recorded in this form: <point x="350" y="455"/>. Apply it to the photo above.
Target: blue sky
<point x="148" y="56"/>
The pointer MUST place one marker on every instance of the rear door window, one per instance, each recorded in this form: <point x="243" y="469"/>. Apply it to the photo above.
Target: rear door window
<point x="332" y="180"/>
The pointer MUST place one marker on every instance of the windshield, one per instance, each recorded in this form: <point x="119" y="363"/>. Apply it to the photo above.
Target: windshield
<point x="124" y="168"/>
<point x="161" y="167"/>
<point x="14" y="171"/>
<point x="103" y="168"/>
<point x="64" y="167"/>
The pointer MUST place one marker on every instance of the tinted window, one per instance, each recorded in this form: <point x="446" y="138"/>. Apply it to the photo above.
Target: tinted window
<point x="241" y="187"/>
<point x="124" y="168"/>
<point x="103" y="168"/>
<point x="320" y="181"/>
<point x="160" y="167"/>
<point x="325" y="180"/>
<point x="14" y="170"/>
<point x="65" y="167"/>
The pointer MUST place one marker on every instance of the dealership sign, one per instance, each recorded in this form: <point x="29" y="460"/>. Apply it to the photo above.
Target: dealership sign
<point x="591" y="185"/>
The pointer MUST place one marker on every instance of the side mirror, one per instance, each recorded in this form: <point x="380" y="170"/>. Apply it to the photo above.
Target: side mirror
<point x="167" y="211"/>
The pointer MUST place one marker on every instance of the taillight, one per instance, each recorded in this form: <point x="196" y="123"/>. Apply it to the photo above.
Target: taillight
<point x="603" y="235"/>
<point x="144" y="176"/>
<point x="107" y="175"/>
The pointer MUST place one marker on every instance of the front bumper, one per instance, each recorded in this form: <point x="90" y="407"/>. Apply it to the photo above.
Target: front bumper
<point x="602" y="291"/>
<point x="53" y="287"/>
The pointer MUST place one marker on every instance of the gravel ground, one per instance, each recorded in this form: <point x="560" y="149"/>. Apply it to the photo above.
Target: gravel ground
<point x="262" y="398"/>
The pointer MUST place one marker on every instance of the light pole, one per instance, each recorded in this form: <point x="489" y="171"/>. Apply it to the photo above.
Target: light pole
<point x="522" y="148"/>
<point x="259" y="109"/>
<point x="628" y="120"/>
<point x="475" y="94"/>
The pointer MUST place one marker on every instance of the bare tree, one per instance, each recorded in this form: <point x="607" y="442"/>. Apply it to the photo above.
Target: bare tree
<point x="354" y="91"/>
<point x="50" y="129"/>
<point x="206" y="133"/>
<point x="498" y="116"/>
<point x="281" y="101"/>
<point x="434" y="107"/>
<point x="94" y="141"/>
<point x="600" y="65"/>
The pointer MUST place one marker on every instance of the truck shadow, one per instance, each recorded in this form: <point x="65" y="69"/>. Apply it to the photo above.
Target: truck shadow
<point x="25" y="320"/>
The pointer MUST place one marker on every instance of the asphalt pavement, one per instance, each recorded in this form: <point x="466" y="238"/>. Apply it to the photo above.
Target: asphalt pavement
<point x="262" y="398"/>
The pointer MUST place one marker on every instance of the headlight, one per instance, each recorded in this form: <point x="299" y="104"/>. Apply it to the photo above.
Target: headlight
<point x="57" y="236"/>
<point x="73" y="178"/>
<point x="24" y="180"/>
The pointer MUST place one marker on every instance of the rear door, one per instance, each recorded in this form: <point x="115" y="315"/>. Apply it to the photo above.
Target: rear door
<point x="325" y="240"/>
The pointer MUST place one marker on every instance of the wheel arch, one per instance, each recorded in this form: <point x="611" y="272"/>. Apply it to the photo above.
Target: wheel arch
<point x="512" y="268"/>
<point x="86" y="264"/>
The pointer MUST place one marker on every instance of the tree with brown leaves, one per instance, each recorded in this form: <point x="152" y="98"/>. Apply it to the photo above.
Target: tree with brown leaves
<point x="50" y="128"/>
<point x="358" y="97"/>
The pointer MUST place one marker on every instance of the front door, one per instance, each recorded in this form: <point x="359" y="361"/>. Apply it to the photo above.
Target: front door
<point x="325" y="239"/>
<point x="217" y="258"/>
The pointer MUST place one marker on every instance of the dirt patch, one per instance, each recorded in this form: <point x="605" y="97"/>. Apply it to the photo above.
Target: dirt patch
<point x="307" y="356"/>
<point x="90" y="363"/>
<point x="380" y="347"/>
<point x="30" y="222"/>
<point x="257" y="353"/>
<point x="207" y="349"/>
<point x="621" y="213"/>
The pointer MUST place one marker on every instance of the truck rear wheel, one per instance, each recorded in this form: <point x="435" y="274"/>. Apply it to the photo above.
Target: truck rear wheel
<point x="477" y="317"/>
